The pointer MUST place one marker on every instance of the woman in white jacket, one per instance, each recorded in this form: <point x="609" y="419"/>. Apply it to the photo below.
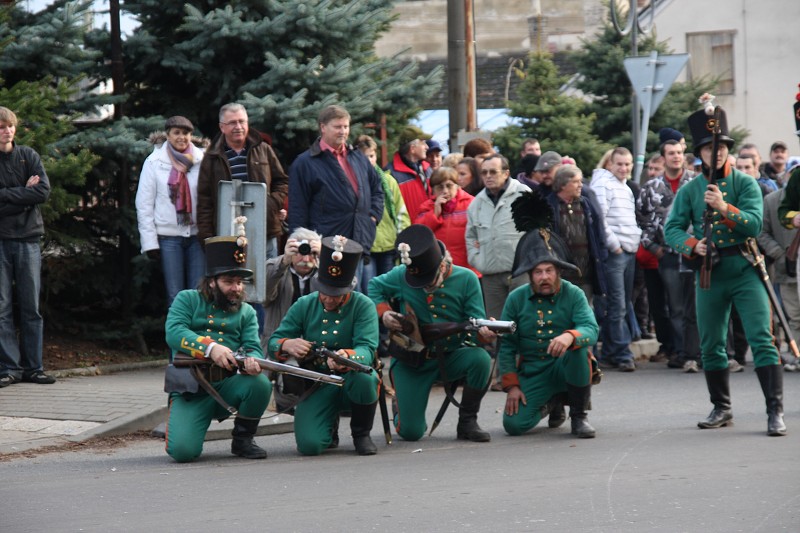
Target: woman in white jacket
<point x="166" y="207"/>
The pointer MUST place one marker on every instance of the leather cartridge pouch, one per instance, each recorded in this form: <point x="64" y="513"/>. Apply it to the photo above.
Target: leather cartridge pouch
<point x="180" y="380"/>
<point x="405" y="349"/>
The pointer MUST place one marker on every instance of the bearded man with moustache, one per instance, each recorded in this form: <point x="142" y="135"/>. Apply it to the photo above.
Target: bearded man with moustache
<point x="548" y="355"/>
<point x="212" y="322"/>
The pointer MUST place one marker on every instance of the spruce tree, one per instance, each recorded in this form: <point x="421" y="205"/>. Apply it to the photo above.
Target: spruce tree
<point x="604" y="80"/>
<point x="560" y="122"/>
<point x="284" y="60"/>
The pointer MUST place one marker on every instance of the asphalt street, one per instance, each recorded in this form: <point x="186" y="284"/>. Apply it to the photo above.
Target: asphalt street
<point x="649" y="469"/>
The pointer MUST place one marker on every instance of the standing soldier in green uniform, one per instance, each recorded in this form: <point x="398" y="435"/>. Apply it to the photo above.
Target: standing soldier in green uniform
<point x="212" y="322"/>
<point x="789" y="210"/>
<point x="737" y="216"/>
<point x="345" y="322"/>
<point x="428" y="286"/>
<point x="548" y="354"/>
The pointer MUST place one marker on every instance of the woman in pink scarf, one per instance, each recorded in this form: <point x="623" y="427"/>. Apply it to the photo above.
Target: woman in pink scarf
<point x="166" y="205"/>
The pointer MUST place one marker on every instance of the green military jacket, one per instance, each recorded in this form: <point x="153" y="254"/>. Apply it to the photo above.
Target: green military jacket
<point x="539" y="320"/>
<point x="790" y="205"/>
<point x="353" y="327"/>
<point x="457" y="299"/>
<point x="744" y="218"/>
<point x="193" y="324"/>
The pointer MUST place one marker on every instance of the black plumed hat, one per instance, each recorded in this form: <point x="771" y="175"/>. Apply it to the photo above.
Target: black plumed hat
<point x="531" y="213"/>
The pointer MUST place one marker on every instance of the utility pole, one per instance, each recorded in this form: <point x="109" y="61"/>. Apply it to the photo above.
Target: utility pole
<point x="461" y="92"/>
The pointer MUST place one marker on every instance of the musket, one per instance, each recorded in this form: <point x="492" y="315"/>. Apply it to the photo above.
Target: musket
<point x="440" y="330"/>
<point x="387" y="432"/>
<point x="498" y="326"/>
<point x="708" y="216"/>
<point x="267" y="364"/>
<point x="322" y="352"/>
<point x="761" y="268"/>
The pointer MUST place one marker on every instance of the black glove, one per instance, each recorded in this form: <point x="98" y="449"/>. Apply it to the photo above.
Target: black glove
<point x="155" y="255"/>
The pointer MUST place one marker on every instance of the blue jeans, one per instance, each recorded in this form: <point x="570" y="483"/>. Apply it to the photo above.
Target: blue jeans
<point x="380" y="263"/>
<point x="617" y="335"/>
<point x="183" y="263"/>
<point x="676" y="285"/>
<point x="20" y="265"/>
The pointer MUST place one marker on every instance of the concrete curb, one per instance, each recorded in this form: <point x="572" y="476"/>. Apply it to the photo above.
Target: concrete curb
<point x="107" y="369"/>
<point x="142" y="420"/>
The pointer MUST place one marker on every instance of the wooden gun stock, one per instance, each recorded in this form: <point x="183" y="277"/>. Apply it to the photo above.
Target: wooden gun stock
<point x="708" y="215"/>
<point x="791" y="251"/>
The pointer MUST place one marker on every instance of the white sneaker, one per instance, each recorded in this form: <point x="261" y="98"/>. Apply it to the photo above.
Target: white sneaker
<point x="690" y="367"/>
<point x="734" y="366"/>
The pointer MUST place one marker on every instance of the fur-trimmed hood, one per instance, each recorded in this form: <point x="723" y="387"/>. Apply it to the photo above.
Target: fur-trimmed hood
<point x="158" y="138"/>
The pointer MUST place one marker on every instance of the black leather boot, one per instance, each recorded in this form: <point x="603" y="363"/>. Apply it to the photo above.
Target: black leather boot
<point x="243" y="444"/>
<point x="557" y="414"/>
<point x="468" y="428"/>
<point x="361" y="419"/>
<point x="579" y="398"/>
<point x="771" y="379"/>
<point x="334" y="435"/>
<point x="719" y="390"/>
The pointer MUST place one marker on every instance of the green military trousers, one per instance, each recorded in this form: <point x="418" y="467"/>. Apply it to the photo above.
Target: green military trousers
<point x="316" y="415"/>
<point x="540" y="380"/>
<point x="191" y="414"/>
<point x="734" y="280"/>
<point x="413" y="385"/>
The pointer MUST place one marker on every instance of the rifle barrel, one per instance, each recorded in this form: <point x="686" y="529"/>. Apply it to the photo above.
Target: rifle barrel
<point x="273" y="366"/>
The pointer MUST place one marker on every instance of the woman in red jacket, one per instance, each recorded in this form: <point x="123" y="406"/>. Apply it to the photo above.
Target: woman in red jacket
<point x="446" y="214"/>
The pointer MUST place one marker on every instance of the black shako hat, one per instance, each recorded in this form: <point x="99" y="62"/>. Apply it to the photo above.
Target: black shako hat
<point x="224" y="256"/>
<point x="421" y="253"/>
<point x="702" y="127"/>
<point x="338" y="262"/>
<point x="532" y="214"/>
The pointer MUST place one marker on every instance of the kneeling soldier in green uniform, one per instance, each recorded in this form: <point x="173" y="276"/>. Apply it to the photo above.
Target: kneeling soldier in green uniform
<point x="548" y="354"/>
<point x="737" y="209"/>
<point x="428" y="286"/>
<point x="212" y="322"/>
<point x="345" y="322"/>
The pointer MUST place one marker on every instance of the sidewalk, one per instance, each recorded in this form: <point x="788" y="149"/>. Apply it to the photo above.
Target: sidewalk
<point x="114" y="400"/>
<point x="96" y="402"/>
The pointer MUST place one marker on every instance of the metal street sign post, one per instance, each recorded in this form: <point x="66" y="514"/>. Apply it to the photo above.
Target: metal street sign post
<point x="651" y="78"/>
<point x="237" y="198"/>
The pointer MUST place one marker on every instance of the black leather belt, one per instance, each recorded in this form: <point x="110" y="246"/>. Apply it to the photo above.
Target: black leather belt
<point x="729" y="251"/>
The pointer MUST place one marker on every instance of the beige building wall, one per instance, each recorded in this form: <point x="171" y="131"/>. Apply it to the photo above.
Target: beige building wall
<point x="501" y="26"/>
<point x="421" y="29"/>
<point x="766" y="47"/>
<point x="765" y="42"/>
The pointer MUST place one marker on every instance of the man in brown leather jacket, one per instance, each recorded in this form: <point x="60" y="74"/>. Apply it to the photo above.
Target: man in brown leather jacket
<point x="240" y="153"/>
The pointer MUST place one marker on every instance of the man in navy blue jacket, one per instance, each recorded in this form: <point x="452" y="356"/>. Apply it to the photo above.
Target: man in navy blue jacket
<point x="333" y="188"/>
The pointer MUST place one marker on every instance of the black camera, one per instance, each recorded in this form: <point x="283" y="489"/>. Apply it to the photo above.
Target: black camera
<point x="303" y="248"/>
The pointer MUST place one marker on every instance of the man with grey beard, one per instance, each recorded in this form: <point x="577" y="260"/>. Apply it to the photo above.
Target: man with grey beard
<point x="288" y="278"/>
